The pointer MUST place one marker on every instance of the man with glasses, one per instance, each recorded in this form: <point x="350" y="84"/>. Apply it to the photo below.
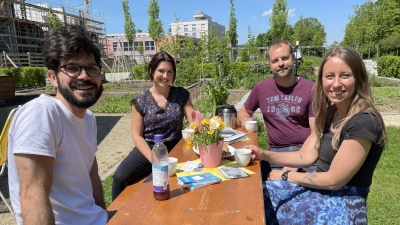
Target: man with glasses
<point x="53" y="173"/>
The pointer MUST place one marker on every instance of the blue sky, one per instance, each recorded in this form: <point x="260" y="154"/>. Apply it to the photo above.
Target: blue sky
<point x="332" y="14"/>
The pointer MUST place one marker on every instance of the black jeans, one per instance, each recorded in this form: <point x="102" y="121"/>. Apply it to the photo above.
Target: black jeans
<point x="133" y="168"/>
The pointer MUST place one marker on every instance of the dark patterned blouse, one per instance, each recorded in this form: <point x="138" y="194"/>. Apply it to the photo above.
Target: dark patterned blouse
<point x="167" y="121"/>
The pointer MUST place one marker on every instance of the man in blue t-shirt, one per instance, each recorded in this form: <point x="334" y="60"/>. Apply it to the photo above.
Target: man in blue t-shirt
<point x="285" y="101"/>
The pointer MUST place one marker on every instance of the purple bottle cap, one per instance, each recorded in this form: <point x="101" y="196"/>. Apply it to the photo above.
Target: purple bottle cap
<point x="158" y="138"/>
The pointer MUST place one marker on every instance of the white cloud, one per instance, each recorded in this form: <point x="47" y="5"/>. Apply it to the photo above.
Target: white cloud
<point x="291" y="12"/>
<point x="266" y="13"/>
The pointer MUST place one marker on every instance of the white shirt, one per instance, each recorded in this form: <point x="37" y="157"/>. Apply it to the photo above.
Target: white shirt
<point x="44" y="126"/>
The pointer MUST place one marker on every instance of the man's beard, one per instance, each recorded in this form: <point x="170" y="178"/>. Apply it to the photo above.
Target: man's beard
<point x="86" y="100"/>
<point x="289" y="71"/>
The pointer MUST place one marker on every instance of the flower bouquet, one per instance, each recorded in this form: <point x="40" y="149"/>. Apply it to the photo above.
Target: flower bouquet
<point x="208" y="139"/>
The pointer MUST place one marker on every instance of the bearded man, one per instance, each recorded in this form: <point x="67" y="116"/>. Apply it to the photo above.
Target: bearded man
<point x="53" y="173"/>
<point x="285" y="101"/>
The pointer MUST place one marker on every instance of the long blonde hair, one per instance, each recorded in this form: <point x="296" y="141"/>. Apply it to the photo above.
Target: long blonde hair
<point x="362" y="100"/>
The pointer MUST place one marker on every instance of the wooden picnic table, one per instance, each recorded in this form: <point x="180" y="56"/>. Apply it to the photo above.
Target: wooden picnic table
<point x="235" y="201"/>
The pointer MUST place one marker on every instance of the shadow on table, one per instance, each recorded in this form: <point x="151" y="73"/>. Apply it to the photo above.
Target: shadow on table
<point x="104" y="126"/>
<point x="174" y="193"/>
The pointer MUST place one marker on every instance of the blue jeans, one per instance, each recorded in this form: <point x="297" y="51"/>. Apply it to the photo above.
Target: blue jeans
<point x="266" y="167"/>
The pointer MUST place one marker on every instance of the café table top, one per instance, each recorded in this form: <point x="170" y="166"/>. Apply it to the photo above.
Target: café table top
<point x="236" y="201"/>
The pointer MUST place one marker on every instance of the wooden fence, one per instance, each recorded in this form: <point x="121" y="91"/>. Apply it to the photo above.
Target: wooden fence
<point x="20" y="59"/>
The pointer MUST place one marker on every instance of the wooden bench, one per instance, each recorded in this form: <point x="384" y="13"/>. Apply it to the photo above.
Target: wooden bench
<point x="124" y="196"/>
<point x="7" y="90"/>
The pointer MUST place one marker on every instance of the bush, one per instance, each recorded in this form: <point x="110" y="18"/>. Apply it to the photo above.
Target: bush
<point x="140" y="72"/>
<point x="389" y="66"/>
<point x="252" y="79"/>
<point x="26" y="76"/>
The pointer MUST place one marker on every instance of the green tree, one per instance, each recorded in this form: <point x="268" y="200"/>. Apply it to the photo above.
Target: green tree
<point x="172" y="45"/>
<point x="310" y="32"/>
<point x="251" y="45"/>
<point x="391" y="43"/>
<point x="154" y="26"/>
<point x="129" y="26"/>
<point x="54" y="21"/>
<point x="278" y="20"/>
<point x="140" y="49"/>
<point x="371" y="23"/>
<point x="232" y="33"/>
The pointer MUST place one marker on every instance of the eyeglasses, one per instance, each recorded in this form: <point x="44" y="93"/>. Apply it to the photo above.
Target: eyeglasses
<point x="74" y="70"/>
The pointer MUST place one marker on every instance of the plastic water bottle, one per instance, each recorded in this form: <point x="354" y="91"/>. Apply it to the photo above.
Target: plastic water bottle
<point x="159" y="158"/>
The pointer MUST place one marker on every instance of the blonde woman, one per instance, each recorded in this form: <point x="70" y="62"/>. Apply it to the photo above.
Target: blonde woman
<point x="347" y="143"/>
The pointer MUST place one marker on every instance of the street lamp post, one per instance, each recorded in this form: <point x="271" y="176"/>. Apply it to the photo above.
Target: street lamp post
<point x="295" y="58"/>
<point x="220" y="60"/>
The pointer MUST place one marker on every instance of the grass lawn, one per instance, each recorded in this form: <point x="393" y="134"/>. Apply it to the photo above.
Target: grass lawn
<point x="384" y="197"/>
<point x="107" y="184"/>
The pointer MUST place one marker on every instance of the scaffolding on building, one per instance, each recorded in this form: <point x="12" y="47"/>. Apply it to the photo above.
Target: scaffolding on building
<point x="23" y="24"/>
<point x="122" y="66"/>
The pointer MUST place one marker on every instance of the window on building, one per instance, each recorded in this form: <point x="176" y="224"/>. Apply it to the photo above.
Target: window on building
<point x="194" y="27"/>
<point x="185" y="28"/>
<point x="115" y="44"/>
<point x="186" y="34"/>
<point x="194" y="35"/>
<point x="136" y="44"/>
<point x="127" y="47"/>
<point x="149" y="45"/>
<point x="203" y="27"/>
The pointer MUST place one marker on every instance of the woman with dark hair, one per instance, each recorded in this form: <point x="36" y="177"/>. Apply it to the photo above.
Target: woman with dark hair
<point x="158" y="110"/>
<point x="347" y="143"/>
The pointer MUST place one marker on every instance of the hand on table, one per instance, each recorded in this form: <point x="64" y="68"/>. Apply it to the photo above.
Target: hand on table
<point x="244" y="120"/>
<point x="256" y="152"/>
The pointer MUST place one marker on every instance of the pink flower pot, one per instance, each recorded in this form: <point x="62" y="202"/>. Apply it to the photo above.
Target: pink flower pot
<point x="210" y="155"/>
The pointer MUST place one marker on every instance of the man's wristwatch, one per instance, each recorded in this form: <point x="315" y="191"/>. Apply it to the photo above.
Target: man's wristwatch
<point x="285" y="175"/>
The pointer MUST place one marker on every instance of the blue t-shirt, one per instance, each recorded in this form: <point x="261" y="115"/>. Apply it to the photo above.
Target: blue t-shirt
<point x="168" y="120"/>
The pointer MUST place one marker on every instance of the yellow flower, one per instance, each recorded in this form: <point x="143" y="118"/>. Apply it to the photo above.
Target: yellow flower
<point x="193" y="125"/>
<point x="210" y="132"/>
<point x="223" y="124"/>
<point x="205" y="121"/>
<point x="188" y="143"/>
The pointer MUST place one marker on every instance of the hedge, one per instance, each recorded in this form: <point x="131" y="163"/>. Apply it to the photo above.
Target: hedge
<point x="389" y="66"/>
<point x="26" y="76"/>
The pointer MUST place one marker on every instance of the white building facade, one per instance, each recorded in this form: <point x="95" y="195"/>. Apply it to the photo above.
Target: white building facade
<point x="201" y="25"/>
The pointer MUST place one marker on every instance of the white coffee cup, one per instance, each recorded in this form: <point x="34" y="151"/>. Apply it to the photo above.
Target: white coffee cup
<point x="242" y="156"/>
<point x="188" y="134"/>
<point x="251" y="126"/>
<point x="172" y="165"/>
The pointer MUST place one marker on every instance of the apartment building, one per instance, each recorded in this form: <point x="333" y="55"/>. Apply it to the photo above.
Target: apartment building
<point x="202" y="24"/>
<point x="118" y="45"/>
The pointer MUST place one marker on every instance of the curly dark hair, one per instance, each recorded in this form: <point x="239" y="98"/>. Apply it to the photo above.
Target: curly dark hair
<point x="157" y="59"/>
<point x="67" y="42"/>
